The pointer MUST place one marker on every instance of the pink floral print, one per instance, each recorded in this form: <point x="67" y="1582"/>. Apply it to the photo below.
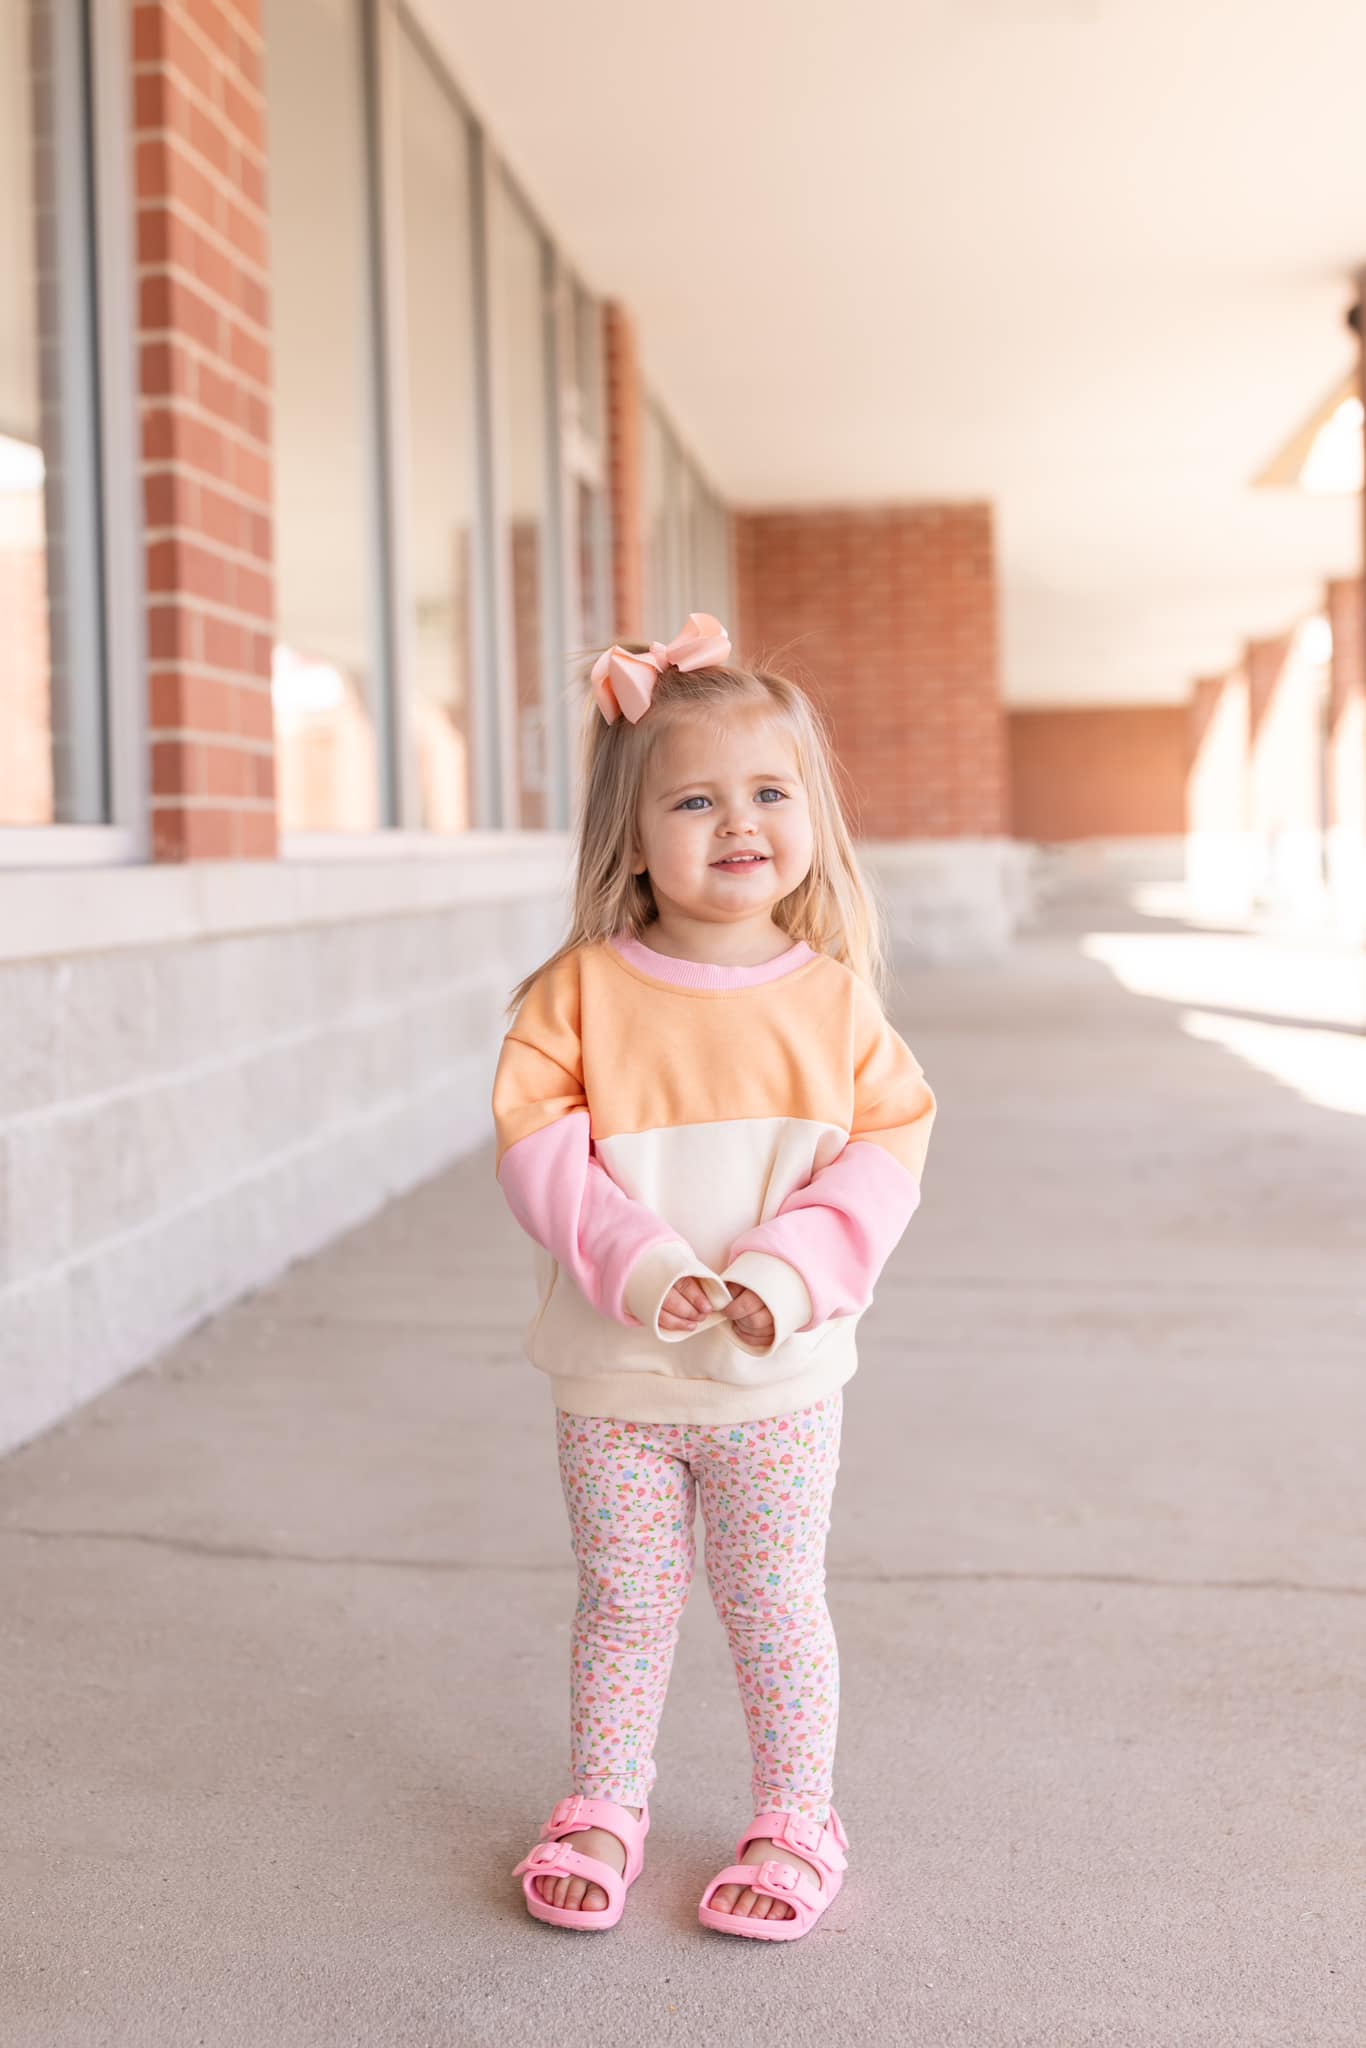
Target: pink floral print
<point x="765" y="1487"/>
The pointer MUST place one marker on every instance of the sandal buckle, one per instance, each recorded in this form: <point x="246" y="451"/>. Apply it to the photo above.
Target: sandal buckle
<point x="566" y="1813"/>
<point x="780" y="1874"/>
<point x="803" y="1833"/>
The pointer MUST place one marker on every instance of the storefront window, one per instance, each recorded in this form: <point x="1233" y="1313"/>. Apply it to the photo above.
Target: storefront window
<point x="441" y="459"/>
<point x="687" y="553"/>
<point x="711" y="554"/>
<point x="658" y="490"/>
<point x="52" y="741"/>
<point x="327" y="665"/>
<point x="521" y="387"/>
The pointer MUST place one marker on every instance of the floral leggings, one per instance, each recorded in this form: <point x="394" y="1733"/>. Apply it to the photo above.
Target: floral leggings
<point x="631" y="1489"/>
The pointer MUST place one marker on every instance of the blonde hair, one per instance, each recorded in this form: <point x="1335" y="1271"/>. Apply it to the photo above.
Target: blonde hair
<point x="833" y="909"/>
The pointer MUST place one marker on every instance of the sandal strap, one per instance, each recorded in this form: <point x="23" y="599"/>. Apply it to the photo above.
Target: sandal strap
<point x="820" y="1842"/>
<point x="557" y="1859"/>
<point x="777" y="1881"/>
<point x="576" y="1812"/>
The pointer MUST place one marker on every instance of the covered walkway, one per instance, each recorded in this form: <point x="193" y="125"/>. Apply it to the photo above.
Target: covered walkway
<point x="285" y="1647"/>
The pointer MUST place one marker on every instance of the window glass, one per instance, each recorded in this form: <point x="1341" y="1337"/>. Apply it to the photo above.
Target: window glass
<point x="711" y="554"/>
<point x="589" y="455"/>
<point x="658" y="486"/>
<point x="588" y="364"/>
<point x="521" y="388"/>
<point x="52" y="742"/>
<point x="441" y="449"/>
<point x="325" y="682"/>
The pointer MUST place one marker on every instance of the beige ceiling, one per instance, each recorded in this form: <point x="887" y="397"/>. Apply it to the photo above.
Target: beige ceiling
<point x="1089" y="259"/>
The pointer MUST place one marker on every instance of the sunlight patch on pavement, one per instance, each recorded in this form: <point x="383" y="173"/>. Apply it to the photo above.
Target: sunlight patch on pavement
<point x="1327" y="1068"/>
<point x="1309" y="981"/>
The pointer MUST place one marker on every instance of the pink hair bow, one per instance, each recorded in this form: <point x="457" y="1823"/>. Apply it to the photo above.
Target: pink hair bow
<point x="624" y="683"/>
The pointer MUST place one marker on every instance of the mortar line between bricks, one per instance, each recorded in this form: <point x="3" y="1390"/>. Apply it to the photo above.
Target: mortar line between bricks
<point x="254" y="1554"/>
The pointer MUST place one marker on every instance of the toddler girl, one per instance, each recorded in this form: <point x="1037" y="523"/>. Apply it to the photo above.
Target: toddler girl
<point x="714" y="1138"/>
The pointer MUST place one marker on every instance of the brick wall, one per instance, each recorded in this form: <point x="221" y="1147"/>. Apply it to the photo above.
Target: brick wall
<point x="204" y="355"/>
<point x="889" y="616"/>
<point x="1115" y="771"/>
<point x="625" y="456"/>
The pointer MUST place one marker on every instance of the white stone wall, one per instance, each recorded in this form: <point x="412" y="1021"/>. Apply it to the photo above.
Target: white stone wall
<point x="950" y="901"/>
<point x="206" y="1074"/>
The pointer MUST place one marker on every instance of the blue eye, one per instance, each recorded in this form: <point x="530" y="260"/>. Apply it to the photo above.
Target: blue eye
<point x="768" y="791"/>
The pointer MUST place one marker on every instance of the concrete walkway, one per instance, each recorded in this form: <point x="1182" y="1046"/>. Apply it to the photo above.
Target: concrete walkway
<point x="285" y="1615"/>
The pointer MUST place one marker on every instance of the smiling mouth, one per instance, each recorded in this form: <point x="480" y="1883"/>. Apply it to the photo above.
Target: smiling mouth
<point x="741" y="860"/>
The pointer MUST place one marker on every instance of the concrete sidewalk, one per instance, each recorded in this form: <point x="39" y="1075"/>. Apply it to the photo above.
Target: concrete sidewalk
<point x="286" y="1614"/>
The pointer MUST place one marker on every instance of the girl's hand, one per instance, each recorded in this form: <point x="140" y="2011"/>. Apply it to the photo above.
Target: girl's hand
<point x="750" y="1317"/>
<point x="684" y="1306"/>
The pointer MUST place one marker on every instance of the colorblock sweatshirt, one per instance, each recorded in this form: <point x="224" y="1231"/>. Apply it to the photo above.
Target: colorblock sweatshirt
<point x="758" y="1126"/>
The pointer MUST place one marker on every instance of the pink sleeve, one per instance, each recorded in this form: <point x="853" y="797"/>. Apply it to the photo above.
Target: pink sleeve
<point x="834" y="1235"/>
<point x="839" y="1230"/>
<point x="564" y="1197"/>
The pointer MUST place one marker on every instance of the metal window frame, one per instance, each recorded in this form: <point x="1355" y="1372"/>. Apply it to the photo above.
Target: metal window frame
<point x="390" y="495"/>
<point x="386" y="506"/>
<point x="106" y="269"/>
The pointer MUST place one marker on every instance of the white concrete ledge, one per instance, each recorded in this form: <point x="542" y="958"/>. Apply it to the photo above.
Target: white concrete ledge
<point x="52" y="912"/>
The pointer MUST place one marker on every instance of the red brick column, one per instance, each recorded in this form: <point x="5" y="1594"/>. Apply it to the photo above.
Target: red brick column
<point x="889" y="616"/>
<point x="1099" y="771"/>
<point x="203" y="321"/>
<point x="625" y="454"/>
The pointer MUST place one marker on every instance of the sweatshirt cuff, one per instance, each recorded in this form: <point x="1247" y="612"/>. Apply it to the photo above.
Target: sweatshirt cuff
<point x="658" y="1269"/>
<point x="782" y="1290"/>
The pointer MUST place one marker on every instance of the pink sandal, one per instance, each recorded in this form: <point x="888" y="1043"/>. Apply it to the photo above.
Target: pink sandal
<point x="825" y="1846"/>
<point x="551" y="1858"/>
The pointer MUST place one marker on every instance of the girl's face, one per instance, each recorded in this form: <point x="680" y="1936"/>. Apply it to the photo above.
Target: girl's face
<point x="705" y="799"/>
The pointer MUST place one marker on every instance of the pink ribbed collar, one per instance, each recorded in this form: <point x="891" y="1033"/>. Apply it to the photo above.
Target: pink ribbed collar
<point x="701" y="973"/>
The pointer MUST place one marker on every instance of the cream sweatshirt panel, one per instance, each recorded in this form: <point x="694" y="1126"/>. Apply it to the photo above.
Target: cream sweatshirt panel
<point x="714" y="1180"/>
